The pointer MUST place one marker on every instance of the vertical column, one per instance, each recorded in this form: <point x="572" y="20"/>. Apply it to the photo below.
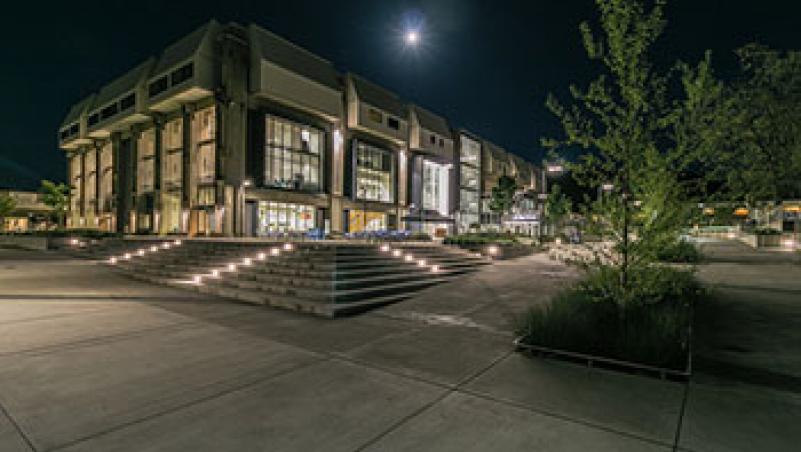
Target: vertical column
<point x="155" y="223"/>
<point x="83" y="188"/>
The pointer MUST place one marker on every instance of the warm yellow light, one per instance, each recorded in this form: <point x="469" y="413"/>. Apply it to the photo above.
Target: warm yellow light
<point x="493" y="250"/>
<point x="141" y="252"/>
<point x="741" y="212"/>
<point x="197" y="279"/>
<point x="165" y="245"/>
<point x="127" y="256"/>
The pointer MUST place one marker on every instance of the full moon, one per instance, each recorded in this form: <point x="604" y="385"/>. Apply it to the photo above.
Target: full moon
<point x="412" y="37"/>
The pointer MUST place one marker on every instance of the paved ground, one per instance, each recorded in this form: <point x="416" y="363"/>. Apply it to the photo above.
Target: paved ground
<point x="93" y="362"/>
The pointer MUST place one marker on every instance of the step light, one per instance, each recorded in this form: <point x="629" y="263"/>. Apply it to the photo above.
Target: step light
<point x="261" y="256"/>
<point x="126" y="256"/>
<point x="408" y="258"/>
<point x="397" y="253"/>
<point x="275" y="251"/>
<point x="112" y="261"/>
<point x="288" y="247"/>
<point x="384" y="248"/>
<point x="154" y="248"/>
<point x="215" y="273"/>
<point x="231" y="267"/>
<point x="247" y="261"/>
<point x="421" y="263"/>
<point x="435" y="268"/>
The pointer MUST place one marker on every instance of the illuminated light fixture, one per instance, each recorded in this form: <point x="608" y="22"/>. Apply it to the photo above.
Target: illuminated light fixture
<point x="261" y="256"/>
<point x="435" y="268"/>
<point x="231" y="267"/>
<point x="165" y="245"/>
<point x="741" y="212"/>
<point x="126" y="256"/>
<point x="412" y="37"/>
<point x="555" y="168"/>
<point x="384" y="248"/>
<point x="788" y="243"/>
<point x="112" y="261"/>
<point x="558" y="241"/>
<point x="408" y="258"/>
<point x="247" y="182"/>
<point x="421" y="263"/>
<point x="197" y="279"/>
<point x="288" y="247"/>
<point x="74" y="242"/>
<point x="607" y="187"/>
<point x="247" y="261"/>
<point x="154" y="248"/>
<point x="215" y="273"/>
<point x="493" y="250"/>
<point x="397" y="253"/>
<point x="177" y="242"/>
<point x="141" y="252"/>
<point x="731" y="235"/>
<point x="275" y="252"/>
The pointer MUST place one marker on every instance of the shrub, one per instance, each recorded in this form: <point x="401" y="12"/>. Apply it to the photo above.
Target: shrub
<point x="679" y="252"/>
<point x="767" y="231"/>
<point x="649" y="325"/>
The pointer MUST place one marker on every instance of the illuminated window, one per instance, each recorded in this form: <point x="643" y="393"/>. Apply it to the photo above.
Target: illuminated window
<point x="292" y="155"/>
<point x="375" y="169"/>
<point x="145" y="169"/>
<point x="284" y="217"/>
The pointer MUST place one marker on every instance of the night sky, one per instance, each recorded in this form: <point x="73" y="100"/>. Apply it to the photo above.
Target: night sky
<point x="485" y="65"/>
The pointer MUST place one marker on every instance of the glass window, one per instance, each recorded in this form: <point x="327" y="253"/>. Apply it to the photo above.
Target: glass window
<point x="204" y="133"/>
<point x="468" y="177"/>
<point x="470" y="151"/>
<point x="393" y="123"/>
<point x="435" y="187"/>
<point x="375" y="169"/>
<point x="277" y="217"/>
<point x="292" y="155"/>
<point x="146" y="151"/>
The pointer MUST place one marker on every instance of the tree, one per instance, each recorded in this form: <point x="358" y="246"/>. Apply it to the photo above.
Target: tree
<point x="557" y="206"/>
<point x="56" y="196"/>
<point x="7" y="206"/>
<point x="503" y="195"/>
<point x="637" y="138"/>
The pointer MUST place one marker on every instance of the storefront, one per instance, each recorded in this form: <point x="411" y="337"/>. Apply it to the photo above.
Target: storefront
<point x="367" y="221"/>
<point x="280" y="217"/>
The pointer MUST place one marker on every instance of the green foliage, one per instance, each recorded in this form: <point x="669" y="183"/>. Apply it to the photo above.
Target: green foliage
<point x="652" y="328"/>
<point x="56" y="196"/>
<point x="557" y="206"/>
<point x="767" y="231"/>
<point x="7" y="206"/>
<point x="503" y="195"/>
<point x="484" y="238"/>
<point x="638" y="134"/>
<point x="680" y="252"/>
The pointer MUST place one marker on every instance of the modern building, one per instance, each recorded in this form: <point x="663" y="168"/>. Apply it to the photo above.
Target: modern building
<point x="235" y="131"/>
<point x="30" y="212"/>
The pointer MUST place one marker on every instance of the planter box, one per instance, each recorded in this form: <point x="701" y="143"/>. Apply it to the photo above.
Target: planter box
<point x="607" y="363"/>
<point x="761" y="241"/>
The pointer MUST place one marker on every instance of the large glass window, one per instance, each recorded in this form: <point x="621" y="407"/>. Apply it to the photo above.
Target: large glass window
<point x="284" y="217"/>
<point x="292" y="155"/>
<point x="470" y="151"/>
<point x="146" y="153"/>
<point x="375" y="169"/>
<point x="172" y="163"/>
<point x="204" y="133"/>
<point x="361" y="221"/>
<point x="469" y="177"/>
<point x="90" y="186"/>
<point x="435" y="187"/>
<point x="76" y="183"/>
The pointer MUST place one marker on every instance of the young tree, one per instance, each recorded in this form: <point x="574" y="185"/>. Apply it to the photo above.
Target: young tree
<point x="630" y="126"/>
<point x="557" y="207"/>
<point x="57" y="197"/>
<point x="503" y="195"/>
<point x="7" y="206"/>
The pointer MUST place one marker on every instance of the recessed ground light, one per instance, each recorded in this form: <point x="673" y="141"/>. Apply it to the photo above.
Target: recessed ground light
<point x="154" y="248"/>
<point x="231" y="267"/>
<point x="385" y="248"/>
<point x="215" y="273"/>
<point x="288" y="246"/>
<point x="421" y="263"/>
<point x="408" y="258"/>
<point x="261" y="256"/>
<point x="112" y="261"/>
<point x="435" y="268"/>
<point x="126" y="256"/>
<point x="247" y="261"/>
<point x="275" y="251"/>
<point x="197" y="279"/>
<point x="397" y="253"/>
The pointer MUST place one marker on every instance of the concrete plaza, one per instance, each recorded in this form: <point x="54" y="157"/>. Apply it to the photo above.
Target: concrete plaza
<point x="90" y="361"/>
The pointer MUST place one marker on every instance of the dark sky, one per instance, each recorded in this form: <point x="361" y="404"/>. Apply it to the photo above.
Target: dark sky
<point x="486" y="65"/>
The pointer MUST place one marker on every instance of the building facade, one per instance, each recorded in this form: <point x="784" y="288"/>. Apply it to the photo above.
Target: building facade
<point x="235" y="131"/>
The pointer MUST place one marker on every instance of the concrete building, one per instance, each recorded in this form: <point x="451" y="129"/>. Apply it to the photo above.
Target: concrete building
<point x="235" y="131"/>
<point x="30" y="212"/>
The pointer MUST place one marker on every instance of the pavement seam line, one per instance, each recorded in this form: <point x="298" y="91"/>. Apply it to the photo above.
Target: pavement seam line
<point x="433" y="402"/>
<point x="186" y="405"/>
<point x="680" y="422"/>
<point x="17" y="427"/>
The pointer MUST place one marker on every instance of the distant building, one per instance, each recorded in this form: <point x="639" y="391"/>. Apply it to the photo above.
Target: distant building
<point x="235" y="131"/>
<point x="30" y="213"/>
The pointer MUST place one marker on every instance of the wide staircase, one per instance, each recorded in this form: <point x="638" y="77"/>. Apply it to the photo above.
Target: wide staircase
<point x="322" y="278"/>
